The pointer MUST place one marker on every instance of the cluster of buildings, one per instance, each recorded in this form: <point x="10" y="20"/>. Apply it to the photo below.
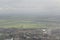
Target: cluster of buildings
<point x="29" y="34"/>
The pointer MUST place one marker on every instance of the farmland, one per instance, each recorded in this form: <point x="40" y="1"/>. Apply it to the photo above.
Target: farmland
<point x="20" y="24"/>
<point x="20" y="21"/>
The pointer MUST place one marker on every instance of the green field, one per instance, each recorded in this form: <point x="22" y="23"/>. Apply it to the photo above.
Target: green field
<point x="28" y="22"/>
<point x="20" y="24"/>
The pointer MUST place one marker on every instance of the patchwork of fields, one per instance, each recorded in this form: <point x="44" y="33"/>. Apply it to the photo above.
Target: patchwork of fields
<point x="28" y="22"/>
<point x="20" y="24"/>
<point x="25" y="24"/>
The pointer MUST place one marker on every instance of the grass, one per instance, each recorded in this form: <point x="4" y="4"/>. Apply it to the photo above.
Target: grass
<point x="20" y="24"/>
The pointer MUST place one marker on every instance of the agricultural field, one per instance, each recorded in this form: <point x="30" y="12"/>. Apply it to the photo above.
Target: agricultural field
<point x="19" y="24"/>
<point x="20" y="21"/>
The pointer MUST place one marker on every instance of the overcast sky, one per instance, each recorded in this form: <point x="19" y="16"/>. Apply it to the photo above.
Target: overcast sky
<point x="27" y="6"/>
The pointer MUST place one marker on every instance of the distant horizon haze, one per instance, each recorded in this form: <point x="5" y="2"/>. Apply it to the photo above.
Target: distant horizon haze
<point x="39" y="7"/>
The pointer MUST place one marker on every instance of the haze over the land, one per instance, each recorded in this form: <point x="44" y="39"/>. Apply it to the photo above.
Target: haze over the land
<point x="30" y="7"/>
<point x="26" y="13"/>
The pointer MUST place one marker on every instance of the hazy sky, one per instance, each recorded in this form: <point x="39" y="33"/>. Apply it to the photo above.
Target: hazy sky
<point x="18" y="6"/>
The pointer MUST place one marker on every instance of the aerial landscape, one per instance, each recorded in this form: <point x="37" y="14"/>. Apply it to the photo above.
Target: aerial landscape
<point x="29" y="27"/>
<point x="29" y="19"/>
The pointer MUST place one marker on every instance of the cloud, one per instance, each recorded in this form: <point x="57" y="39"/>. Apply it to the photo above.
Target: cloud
<point x="30" y="5"/>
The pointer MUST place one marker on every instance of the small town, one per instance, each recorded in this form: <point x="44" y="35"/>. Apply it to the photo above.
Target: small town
<point x="28" y="34"/>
